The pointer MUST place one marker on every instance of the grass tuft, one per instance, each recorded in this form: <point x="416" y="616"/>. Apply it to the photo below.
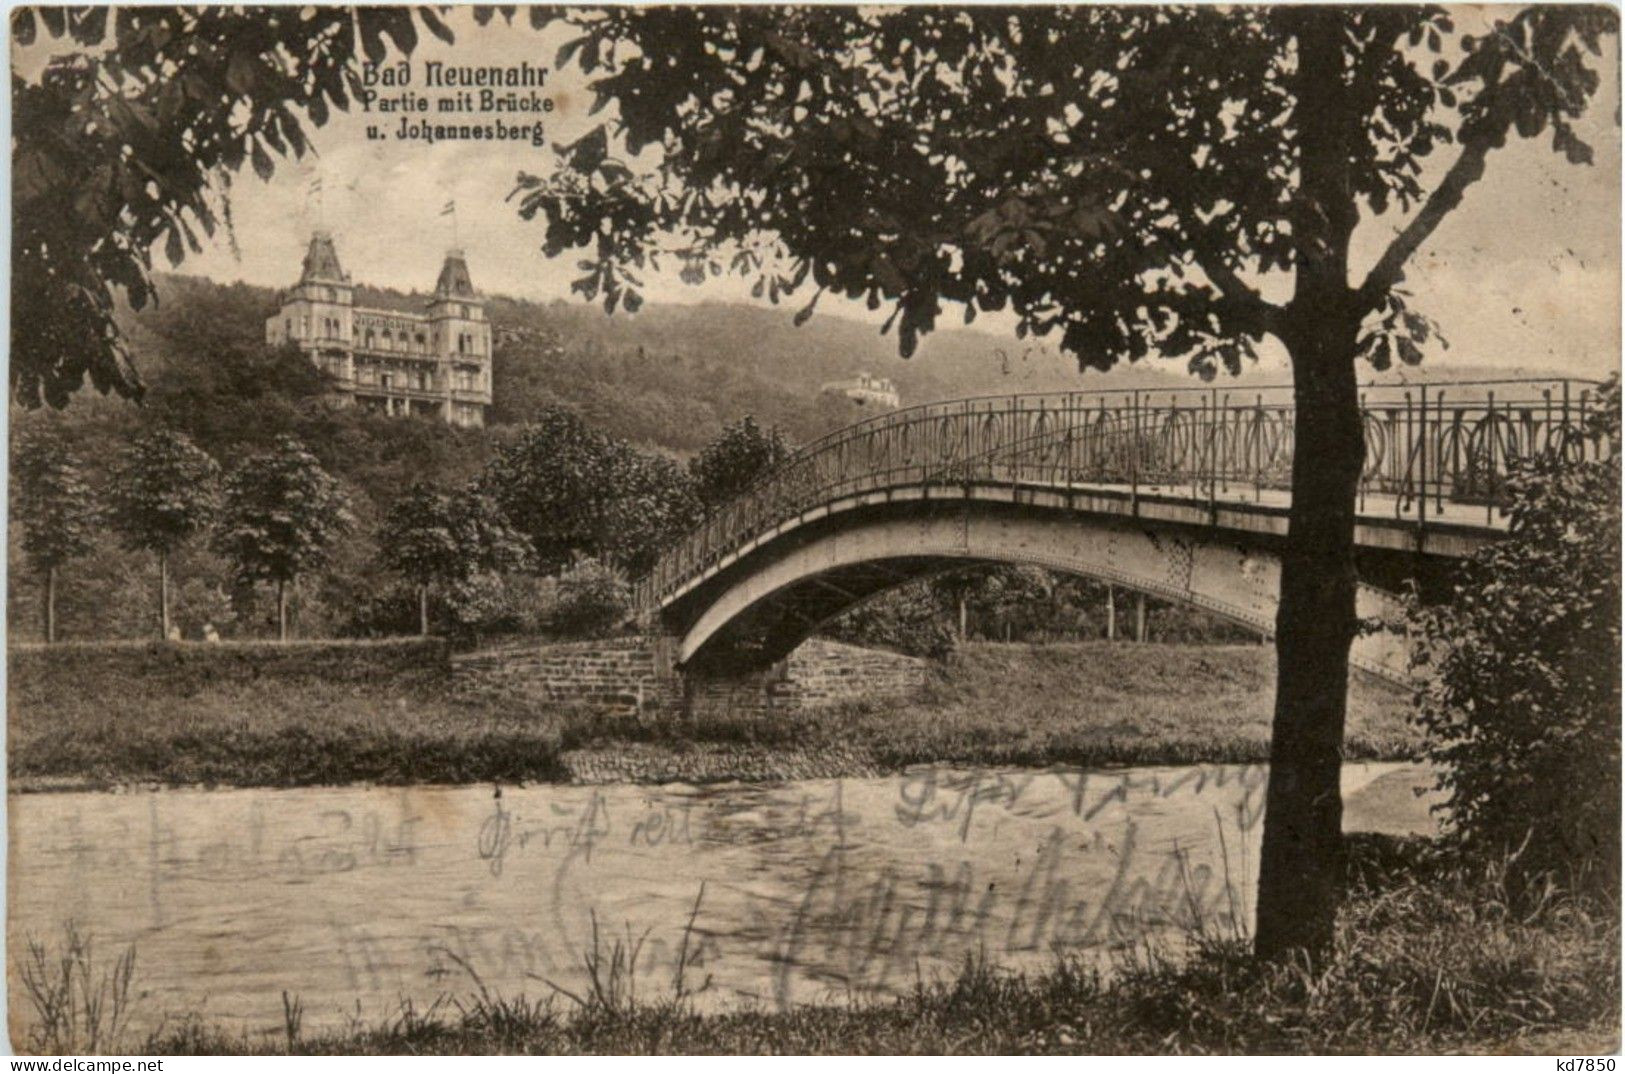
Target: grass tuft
<point x="78" y="1006"/>
<point x="1428" y="958"/>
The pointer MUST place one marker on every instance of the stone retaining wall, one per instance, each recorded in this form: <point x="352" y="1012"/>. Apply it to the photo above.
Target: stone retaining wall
<point x="634" y="675"/>
<point x="626" y="676"/>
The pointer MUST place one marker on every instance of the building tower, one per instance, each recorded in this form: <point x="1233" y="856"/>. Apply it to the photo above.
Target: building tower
<point x="317" y="313"/>
<point x="462" y="337"/>
<point x="434" y="364"/>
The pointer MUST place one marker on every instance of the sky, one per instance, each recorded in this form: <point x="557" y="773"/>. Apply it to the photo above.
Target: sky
<point x="1525" y="273"/>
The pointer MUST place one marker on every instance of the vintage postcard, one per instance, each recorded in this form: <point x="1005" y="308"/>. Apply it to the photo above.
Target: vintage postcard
<point x="845" y="530"/>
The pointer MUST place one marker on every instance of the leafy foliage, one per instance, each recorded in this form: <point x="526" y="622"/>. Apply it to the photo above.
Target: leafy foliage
<point x="1108" y="173"/>
<point x="588" y="599"/>
<point x="729" y="464"/>
<point x="431" y="537"/>
<point x="417" y="539"/>
<point x="165" y="493"/>
<point x="653" y="505"/>
<point x="130" y="143"/>
<point x="435" y="539"/>
<point x="51" y="500"/>
<point x="573" y="490"/>
<point x="1523" y="710"/>
<point x="1133" y="179"/>
<point x="282" y="515"/>
<point x="906" y="619"/>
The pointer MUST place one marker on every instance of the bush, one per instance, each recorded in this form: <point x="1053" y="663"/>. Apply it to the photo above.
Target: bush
<point x="588" y="600"/>
<point x="1522" y="712"/>
<point x="907" y="619"/>
<point x="491" y="603"/>
<point x="734" y="460"/>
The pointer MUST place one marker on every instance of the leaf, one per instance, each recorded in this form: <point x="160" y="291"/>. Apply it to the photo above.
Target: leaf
<point x="262" y="160"/>
<point x="804" y="314"/>
<point x="432" y="23"/>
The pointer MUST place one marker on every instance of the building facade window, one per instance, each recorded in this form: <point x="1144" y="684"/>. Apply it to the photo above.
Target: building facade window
<point x="386" y="361"/>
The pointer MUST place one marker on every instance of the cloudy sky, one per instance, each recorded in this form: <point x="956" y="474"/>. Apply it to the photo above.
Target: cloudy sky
<point x="1526" y="273"/>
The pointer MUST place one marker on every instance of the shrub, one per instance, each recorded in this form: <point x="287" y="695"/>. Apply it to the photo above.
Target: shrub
<point x="493" y="603"/>
<point x="588" y="600"/>
<point x="907" y="619"/>
<point x="1522" y="711"/>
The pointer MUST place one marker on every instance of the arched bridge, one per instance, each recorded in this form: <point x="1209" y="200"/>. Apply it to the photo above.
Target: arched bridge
<point x="1180" y="494"/>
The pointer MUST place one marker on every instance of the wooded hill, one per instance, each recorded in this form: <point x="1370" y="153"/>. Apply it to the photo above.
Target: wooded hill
<point x="666" y="380"/>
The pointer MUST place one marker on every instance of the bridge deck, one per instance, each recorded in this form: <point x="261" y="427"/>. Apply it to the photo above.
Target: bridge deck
<point x="1383" y="522"/>
<point x="1434" y="479"/>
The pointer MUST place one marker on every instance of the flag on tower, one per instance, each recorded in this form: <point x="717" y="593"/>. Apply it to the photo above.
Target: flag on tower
<point x="451" y="207"/>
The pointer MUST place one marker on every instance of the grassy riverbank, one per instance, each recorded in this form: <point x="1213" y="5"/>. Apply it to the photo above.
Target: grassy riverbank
<point x="259" y="715"/>
<point x="1427" y="960"/>
<point x="387" y="712"/>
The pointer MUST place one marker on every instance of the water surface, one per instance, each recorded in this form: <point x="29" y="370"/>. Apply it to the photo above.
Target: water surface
<point x="355" y="899"/>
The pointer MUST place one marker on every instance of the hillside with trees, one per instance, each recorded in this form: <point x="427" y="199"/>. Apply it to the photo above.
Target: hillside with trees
<point x="675" y="408"/>
<point x="675" y="403"/>
<point x="670" y="376"/>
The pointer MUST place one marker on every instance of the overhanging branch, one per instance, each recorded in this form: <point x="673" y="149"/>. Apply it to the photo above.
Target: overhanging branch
<point x="1251" y="307"/>
<point x="1242" y="304"/>
<point x="1390" y="268"/>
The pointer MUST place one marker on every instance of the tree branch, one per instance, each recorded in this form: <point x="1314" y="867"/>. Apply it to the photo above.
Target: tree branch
<point x="1237" y="295"/>
<point x="1254" y="311"/>
<point x="1390" y="268"/>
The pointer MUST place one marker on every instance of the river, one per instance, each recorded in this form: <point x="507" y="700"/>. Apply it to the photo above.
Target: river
<point x="355" y="899"/>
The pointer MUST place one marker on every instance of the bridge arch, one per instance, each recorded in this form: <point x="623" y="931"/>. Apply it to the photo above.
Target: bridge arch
<point x="788" y="589"/>
<point x="1184" y="495"/>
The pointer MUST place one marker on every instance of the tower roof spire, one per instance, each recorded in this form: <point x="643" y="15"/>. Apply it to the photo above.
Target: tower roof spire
<point x="322" y="260"/>
<point x="454" y="280"/>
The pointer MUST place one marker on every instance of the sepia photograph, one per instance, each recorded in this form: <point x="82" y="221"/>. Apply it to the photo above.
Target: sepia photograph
<point x="945" y="529"/>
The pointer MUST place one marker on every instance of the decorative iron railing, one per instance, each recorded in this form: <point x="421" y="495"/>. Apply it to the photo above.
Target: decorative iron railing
<point x="1426" y="447"/>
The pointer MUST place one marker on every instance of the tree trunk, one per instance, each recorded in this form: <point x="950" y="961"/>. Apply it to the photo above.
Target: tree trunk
<point x="964" y="618"/>
<point x="423" y="611"/>
<point x="1300" y="882"/>
<point x="163" y="595"/>
<point x="281" y="610"/>
<point x="1111" y="613"/>
<point x="50" y="605"/>
<point x="1301" y="871"/>
<point x="1140" y="634"/>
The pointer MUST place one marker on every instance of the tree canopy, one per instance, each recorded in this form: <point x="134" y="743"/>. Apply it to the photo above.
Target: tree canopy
<point x="52" y="499"/>
<point x="165" y="493"/>
<point x="1125" y="177"/>
<point x="282" y="515"/>
<point x="730" y="463"/>
<point x="434" y="538"/>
